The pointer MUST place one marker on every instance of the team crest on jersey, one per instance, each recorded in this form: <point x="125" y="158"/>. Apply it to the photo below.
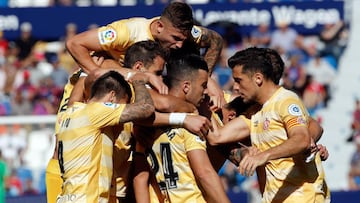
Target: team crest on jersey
<point x="294" y="110"/>
<point x="111" y="105"/>
<point x="195" y="32"/>
<point x="266" y="124"/>
<point x="107" y="36"/>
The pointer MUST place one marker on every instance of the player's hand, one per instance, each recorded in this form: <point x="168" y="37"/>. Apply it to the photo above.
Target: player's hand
<point x="198" y="125"/>
<point x="249" y="163"/>
<point x="98" y="60"/>
<point x="324" y="153"/>
<point x="216" y="94"/>
<point x="157" y="83"/>
<point x="138" y="76"/>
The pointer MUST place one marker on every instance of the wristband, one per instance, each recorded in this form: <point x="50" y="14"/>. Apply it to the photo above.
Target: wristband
<point x="83" y="74"/>
<point x="177" y="118"/>
<point x="129" y="75"/>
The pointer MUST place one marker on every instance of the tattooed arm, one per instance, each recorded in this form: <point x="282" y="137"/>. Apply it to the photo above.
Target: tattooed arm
<point x="213" y="43"/>
<point x="143" y="106"/>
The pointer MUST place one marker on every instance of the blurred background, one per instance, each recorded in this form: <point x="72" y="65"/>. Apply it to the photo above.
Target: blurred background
<point x="316" y="38"/>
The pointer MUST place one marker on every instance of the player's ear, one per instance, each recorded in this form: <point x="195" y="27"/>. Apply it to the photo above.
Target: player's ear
<point x="138" y="65"/>
<point x="159" y="26"/>
<point x="258" y="77"/>
<point x="186" y="86"/>
<point x="232" y="114"/>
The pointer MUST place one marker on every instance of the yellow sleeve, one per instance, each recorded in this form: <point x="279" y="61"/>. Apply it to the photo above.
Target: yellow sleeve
<point x="114" y="36"/>
<point x="105" y="114"/>
<point x="293" y="113"/>
<point x="192" y="142"/>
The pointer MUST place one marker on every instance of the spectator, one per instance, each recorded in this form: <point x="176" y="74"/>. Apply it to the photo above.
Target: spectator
<point x="3" y="178"/>
<point x="354" y="173"/>
<point x="313" y="96"/>
<point x="27" y="89"/>
<point x="355" y="123"/>
<point x="283" y="38"/>
<point x="14" y="185"/>
<point x="25" y="42"/>
<point x="47" y="97"/>
<point x="295" y="75"/>
<point x="20" y="105"/>
<point x="5" y="105"/>
<point x="29" y="187"/>
<point x="13" y="142"/>
<point x="334" y="37"/>
<point x="322" y="72"/>
<point x="70" y="30"/>
<point x="222" y="73"/>
<point x="261" y="36"/>
<point x="65" y="3"/>
<point x="4" y="45"/>
<point x="59" y="74"/>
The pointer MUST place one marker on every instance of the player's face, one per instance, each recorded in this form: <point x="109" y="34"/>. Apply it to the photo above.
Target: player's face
<point x="169" y="37"/>
<point x="157" y="67"/>
<point x="244" y="85"/>
<point x="198" y="88"/>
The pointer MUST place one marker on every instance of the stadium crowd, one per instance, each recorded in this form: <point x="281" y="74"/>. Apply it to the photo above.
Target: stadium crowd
<point x="33" y="73"/>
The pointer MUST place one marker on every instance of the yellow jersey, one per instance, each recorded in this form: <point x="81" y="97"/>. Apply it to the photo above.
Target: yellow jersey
<point x="287" y="179"/>
<point x="86" y="136"/>
<point x="171" y="166"/>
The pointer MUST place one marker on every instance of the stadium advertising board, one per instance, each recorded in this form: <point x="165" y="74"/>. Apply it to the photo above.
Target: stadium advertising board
<point x="49" y="23"/>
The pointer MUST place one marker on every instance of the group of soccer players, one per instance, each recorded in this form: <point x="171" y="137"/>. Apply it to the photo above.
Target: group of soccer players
<point x="136" y="120"/>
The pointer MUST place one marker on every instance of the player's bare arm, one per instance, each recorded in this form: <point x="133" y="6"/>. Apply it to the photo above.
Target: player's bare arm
<point x="80" y="46"/>
<point x="143" y="105"/>
<point x="234" y="131"/>
<point x="315" y="129"/>
<point x="298" y="141"/>
<point x="213" y="42"/>
<point x="206" y="176"/>
<point x="169" y="103"/>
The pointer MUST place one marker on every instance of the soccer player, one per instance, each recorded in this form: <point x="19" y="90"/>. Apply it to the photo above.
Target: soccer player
<point x="174" y="28"/>
<point x="180" y="162"/>
<point x="88" y="131"/>
<point x="279" y="130"/>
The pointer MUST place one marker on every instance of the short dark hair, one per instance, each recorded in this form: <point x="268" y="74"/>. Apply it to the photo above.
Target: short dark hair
<point x="180" y="15"/>
<point x="184" y="67"/>
<point x="241" y="107"/>
<point x="110" y="81"/>
<point x="253" y="59"/>
<point x="189" y="46"/>
<point x="144" y="51"/>
<point x="277" y="64"/>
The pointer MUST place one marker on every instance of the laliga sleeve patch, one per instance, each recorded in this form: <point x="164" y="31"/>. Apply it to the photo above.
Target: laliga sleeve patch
<point x="107" y="36"/>
<point x="199" y="140"/>
<point x="294" y="110"/>
<point x="195" y="32"/>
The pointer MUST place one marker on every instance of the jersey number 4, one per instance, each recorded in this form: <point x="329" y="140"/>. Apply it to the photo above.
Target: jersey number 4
<point x="170" y="175"/>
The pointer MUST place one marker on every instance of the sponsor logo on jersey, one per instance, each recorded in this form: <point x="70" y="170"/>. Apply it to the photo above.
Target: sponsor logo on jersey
<point x="107" y="36"/>
<point x="294" y="110"/>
